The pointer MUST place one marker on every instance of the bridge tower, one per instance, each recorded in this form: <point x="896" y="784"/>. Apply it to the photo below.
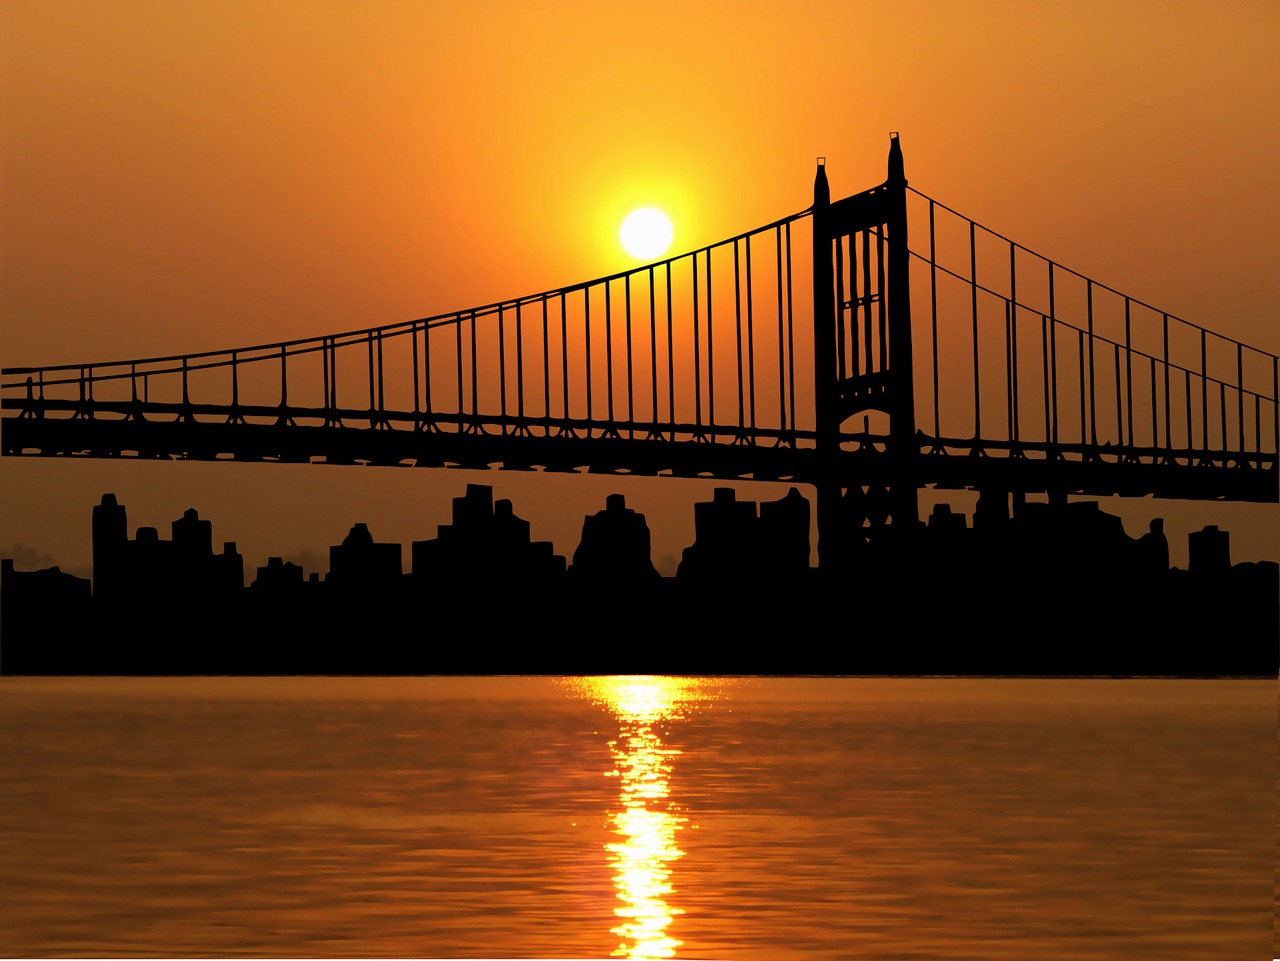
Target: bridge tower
<point x="862" y="364"/>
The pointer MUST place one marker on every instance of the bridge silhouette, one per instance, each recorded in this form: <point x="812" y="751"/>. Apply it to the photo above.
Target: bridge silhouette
<point x="904" y="346"/>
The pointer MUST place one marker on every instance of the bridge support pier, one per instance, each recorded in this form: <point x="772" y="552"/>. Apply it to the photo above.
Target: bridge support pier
<point x="863" y="362"/>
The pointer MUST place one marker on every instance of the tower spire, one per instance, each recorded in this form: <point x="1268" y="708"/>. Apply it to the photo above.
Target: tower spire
<point x="897" y="172"/>
<point x="821" y="189"/>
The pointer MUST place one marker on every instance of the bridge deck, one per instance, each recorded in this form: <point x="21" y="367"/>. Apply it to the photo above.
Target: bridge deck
<point x="310" y="435"/>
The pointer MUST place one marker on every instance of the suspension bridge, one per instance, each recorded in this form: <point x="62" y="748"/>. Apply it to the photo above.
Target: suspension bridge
<point x="869" y="347"/>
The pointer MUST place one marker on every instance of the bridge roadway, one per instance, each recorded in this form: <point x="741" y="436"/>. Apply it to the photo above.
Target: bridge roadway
<point x="55" y="427"/>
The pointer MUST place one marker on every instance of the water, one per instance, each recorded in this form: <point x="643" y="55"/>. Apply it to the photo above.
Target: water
<point x="805" y="818"/>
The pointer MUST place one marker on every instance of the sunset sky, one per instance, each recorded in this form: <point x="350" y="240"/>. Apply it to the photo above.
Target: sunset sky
<point x="202" y="175"/>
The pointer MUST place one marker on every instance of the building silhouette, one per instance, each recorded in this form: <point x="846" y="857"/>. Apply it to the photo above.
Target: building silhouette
<point x="485" y="544"/>
<point x="183" y="569"/>
<point x="737" y="541"/>
<point x="278" y="577"/>
<point x="615" y="547"/>
<point x="359" y="564"/>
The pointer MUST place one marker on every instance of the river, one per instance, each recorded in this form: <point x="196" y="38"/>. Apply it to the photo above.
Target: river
<point x="638" y="817"/>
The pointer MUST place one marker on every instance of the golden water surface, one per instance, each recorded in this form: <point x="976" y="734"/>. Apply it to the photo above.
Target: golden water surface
<point x="638" y="817"/>
<point x="646" y="819"/>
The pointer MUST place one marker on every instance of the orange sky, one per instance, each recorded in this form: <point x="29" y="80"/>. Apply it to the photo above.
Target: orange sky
<point x="189" y="176"/>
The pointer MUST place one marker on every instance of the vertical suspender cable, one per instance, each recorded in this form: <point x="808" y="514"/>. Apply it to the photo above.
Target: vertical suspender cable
<point x="751" y="349"/>
<point x="520" y="363"/>
<point x="1013" y="337"/>
<point x="782" y="371"/>
<point x="1168" y="415"/>
<point x="737" y="322"/>
<point x="1093" y="407"/>
<point x="631" y="416"/>
<point x="697" y="356"/>
<point x="1053" y="354"/>
<point x="1128" y="371"/>
<point x="653" y="352"/>
<point x="426" y="371"/>
<point x="502" y="368"/>
<point x="933" y="319"/>
<point x="671" y="360"/>
<point x="973" y="289"/>
<point x="1204" y="391"/>
<point x="791" y="347"/>
<point x="546" y="366"/>
<point x="711" y="355"/>
<point x="608" y="348"/>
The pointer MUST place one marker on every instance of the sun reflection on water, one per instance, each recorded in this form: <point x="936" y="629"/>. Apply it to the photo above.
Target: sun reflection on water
<point x="647" y="820"/>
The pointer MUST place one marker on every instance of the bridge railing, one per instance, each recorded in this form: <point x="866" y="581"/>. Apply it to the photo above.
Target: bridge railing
<point x="1018" y="354"/>
<point x="703" y="346"/>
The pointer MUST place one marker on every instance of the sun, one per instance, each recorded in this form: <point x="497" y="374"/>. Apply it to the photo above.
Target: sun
<point x="646" y="233"/>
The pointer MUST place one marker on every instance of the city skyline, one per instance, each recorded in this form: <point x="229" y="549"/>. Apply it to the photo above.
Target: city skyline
<point x="316" y="563"/>
<point x="742" y="586"/>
